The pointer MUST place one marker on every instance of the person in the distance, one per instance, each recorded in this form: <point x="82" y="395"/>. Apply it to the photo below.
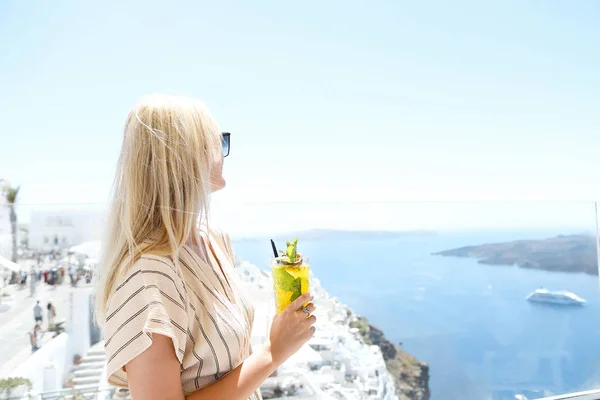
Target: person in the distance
<point x="37" y="313"/>
<point x="176" y="321"/>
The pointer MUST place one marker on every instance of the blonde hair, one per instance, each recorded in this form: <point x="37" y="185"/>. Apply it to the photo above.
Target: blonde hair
<point x="162" y="185"/>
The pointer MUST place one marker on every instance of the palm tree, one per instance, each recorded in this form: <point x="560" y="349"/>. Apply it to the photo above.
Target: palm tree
<point x="11" y="193"/>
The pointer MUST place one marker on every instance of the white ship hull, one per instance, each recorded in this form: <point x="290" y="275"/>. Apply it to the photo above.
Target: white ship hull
<point x="562" y="298"/>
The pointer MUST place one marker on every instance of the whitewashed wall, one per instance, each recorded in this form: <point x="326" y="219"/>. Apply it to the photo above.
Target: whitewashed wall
<point x="47" y="367"/>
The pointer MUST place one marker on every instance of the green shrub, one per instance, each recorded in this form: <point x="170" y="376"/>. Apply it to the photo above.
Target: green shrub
<point x="363" y="328"/>
<point x="7" y="385"/>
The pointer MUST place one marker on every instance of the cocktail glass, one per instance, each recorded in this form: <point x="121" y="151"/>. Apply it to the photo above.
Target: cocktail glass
<point x="290" y="280"/>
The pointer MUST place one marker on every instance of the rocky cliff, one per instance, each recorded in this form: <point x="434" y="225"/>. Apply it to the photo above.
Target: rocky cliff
<point x="411" y="376"/>
<point x="572" y="253"/>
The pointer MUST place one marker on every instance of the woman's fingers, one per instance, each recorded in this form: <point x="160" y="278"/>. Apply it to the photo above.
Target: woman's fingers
<point x="305" y="321"/>
<point x="306" y="312"/>
<point x="311" y="332"/>
<point x="297" y="304"/>
<point x="311" y="308"/>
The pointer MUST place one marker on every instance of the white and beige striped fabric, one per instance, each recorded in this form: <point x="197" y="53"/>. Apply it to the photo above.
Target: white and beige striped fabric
<point x="202" y="309"/>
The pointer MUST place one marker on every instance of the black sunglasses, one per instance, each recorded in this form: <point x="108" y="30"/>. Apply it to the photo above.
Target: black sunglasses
<point x="226" y="143"/>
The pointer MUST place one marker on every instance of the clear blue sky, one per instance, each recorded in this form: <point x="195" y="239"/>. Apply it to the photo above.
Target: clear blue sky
<point x="354" y="100"/>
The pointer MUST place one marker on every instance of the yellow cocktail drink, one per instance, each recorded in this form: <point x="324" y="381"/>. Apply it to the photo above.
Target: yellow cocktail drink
<point x="290" y="281"/>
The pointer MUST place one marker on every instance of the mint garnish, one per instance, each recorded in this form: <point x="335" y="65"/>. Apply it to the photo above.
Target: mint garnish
<point x="286" y="281"/>
<point x="291" y="250"/>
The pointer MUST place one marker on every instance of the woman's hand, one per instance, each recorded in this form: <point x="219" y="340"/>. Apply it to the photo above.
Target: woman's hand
<point x="291" y="329"/>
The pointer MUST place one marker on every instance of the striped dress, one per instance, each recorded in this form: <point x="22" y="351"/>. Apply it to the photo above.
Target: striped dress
<point x="201" y="307"/>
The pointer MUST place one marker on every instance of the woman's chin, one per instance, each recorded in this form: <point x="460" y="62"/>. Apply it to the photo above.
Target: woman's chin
<point x="216" y="186"/>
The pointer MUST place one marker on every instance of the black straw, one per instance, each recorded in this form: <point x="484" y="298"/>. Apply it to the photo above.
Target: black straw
<point x="274" y="248"/>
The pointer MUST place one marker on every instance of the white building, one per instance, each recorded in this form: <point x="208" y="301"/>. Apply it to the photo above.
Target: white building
<point x="65" y="228"/>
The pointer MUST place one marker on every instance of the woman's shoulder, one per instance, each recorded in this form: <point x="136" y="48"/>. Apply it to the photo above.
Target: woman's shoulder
<point x="220" y="235"/>
<point x="221" y="238"/>
<point x="148" y="261"/>
<point x="148" y="271"/>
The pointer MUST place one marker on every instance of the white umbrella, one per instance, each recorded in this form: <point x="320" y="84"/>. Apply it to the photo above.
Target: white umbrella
<point x="90" y="249"/>
<point x="6" y="263"/>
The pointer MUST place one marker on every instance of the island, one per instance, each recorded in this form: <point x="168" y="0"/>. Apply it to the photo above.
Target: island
<point x="564" y="253"/>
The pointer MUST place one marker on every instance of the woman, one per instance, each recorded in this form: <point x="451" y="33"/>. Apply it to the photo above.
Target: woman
<point x="51" y="316"/>
<point x="36" y="337"/>
<point x="177" y="324"/>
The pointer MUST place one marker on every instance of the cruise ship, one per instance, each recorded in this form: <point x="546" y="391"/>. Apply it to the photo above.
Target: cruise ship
<point x="555" y="297"/>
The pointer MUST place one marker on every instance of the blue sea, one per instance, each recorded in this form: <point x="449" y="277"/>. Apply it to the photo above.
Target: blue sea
<point x="469" y="322"/>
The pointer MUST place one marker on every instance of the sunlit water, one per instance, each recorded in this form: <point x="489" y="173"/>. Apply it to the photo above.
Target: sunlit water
<point x="470" y="322"/>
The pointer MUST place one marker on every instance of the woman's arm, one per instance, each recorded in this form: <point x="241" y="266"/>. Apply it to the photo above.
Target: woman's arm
<point x="240" y="383"/>
<point x="154" y="374"/>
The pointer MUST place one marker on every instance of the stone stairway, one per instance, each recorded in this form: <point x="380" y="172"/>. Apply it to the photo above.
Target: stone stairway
<point x="89" y="373"/>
